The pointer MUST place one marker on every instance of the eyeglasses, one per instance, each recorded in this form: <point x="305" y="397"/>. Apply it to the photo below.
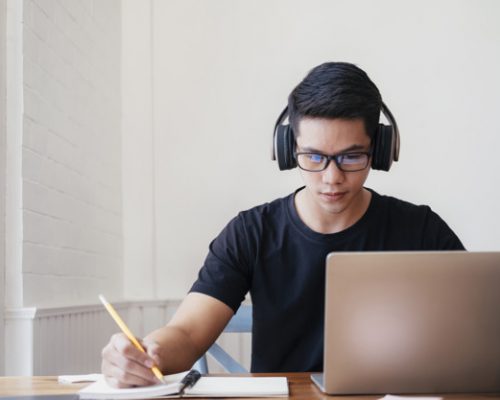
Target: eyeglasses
<point x="346" y="162"/>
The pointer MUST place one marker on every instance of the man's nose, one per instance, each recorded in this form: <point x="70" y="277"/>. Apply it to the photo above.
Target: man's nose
<point x="332" y="174"/>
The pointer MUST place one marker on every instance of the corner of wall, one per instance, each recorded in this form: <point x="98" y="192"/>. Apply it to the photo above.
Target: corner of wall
<point x="3" y="153"/>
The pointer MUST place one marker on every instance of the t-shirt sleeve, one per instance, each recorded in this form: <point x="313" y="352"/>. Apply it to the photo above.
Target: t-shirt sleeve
<point x="439" y="236"/>
<point x="226" y="272"/>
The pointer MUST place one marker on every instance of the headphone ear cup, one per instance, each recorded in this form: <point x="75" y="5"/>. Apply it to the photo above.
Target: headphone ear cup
<point x="285" y="147"/>
<point x="383" y="148"/>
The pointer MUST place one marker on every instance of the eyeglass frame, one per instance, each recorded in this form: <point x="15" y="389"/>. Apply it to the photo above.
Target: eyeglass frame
<point x="333" y="158"/>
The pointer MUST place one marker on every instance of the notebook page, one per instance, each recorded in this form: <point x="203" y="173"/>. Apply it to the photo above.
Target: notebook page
<point x="239" y="387"/>
<point x="101" y="390"/>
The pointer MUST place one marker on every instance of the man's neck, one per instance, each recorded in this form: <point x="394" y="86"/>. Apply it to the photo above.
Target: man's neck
<point x="321" y="221"/>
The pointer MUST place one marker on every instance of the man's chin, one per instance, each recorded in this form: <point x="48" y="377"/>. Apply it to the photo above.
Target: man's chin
<point x="333" y="208"/>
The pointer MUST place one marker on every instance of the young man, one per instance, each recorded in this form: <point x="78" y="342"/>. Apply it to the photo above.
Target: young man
<point x="277" y="251"/>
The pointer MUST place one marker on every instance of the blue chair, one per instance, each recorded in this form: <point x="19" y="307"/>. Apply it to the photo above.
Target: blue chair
<point x="241" y="322"/>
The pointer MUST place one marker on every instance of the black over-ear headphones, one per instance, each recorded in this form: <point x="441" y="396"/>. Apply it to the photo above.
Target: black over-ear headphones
<point x="385" y="148"/>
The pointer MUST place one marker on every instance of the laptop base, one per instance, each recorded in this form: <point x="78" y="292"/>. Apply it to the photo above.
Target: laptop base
<point x="318" y="381"/>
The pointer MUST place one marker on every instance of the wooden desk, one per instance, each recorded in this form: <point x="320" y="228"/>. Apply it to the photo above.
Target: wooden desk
<point x="300" y="385"/>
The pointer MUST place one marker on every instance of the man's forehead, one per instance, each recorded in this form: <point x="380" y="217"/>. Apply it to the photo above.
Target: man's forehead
<point x="321" y="122"/>
<point x="318" y="127"/>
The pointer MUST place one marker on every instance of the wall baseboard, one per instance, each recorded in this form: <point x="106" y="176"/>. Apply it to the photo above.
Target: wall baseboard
<point x="69" y="340"/>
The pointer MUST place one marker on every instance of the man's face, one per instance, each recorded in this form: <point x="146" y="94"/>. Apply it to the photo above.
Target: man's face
<point x="333" y="191"/>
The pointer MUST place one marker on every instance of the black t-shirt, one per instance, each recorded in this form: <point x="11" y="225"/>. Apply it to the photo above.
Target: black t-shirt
<point x="270" y="252"/>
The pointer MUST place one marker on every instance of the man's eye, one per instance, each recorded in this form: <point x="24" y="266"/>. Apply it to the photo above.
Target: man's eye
<point x="353" y="157"/>
<point x="316" y="158"/>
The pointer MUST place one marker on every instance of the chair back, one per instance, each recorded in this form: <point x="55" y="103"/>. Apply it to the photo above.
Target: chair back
<point x="241" y="322"/>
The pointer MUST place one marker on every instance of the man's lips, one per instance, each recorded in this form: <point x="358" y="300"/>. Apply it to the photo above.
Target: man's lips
<point x="333" y="195"/>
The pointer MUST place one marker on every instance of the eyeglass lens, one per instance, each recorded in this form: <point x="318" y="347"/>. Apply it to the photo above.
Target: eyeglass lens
<point x="348" y="162"/>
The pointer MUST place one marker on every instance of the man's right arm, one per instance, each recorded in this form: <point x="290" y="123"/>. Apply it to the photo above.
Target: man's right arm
<point x="173" y="348"/>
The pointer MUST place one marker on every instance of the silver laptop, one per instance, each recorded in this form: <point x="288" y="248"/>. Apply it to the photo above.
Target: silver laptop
<point x="411" y="322"/>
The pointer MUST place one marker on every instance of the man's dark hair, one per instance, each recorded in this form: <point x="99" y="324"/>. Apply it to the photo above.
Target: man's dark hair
<point x="336" y="90"/>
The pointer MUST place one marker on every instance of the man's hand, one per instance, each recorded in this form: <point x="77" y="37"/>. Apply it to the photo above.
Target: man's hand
<point x="123" y="365"/>
<point x="197" y="323"/>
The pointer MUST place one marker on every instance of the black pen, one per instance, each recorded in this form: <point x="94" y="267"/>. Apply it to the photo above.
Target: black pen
<point x="189" y="380"/>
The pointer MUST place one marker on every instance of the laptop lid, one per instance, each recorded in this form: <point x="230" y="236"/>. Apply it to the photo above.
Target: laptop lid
<point x="412" y="322"/>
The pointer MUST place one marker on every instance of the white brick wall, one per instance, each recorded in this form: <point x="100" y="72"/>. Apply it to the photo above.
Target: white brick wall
<point x="71" y="160"/>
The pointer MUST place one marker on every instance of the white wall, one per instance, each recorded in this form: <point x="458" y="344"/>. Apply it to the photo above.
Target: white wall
<point x="3" y="110"/>
<point x="221" y="74"/>
<point x="71" y="152"/>
<point x="137" y="147"/>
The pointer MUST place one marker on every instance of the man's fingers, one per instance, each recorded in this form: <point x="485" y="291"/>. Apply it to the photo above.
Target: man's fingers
<point x="125" y="347"/>
<point x="153" y="350"/>
<point x="120" y="378"/>
<point x="133" y="361"/>
<point x="124" y="365"/>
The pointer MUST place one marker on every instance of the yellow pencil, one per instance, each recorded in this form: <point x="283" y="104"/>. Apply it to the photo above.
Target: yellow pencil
<point x="128" y="333"/>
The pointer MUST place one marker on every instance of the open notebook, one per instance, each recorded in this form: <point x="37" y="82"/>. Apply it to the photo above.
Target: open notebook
<point x="207" y="386"/>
